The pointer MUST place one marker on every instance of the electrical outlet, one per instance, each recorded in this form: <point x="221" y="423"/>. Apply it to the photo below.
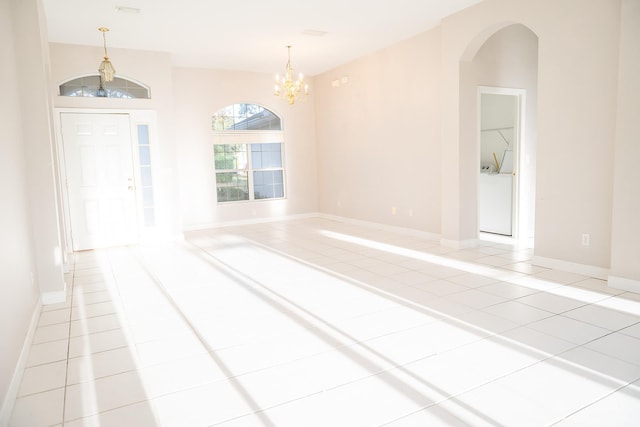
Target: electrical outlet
<point x="410" y="212"/>
<point x="393" y="210"/>
<point x="586" y="240"/>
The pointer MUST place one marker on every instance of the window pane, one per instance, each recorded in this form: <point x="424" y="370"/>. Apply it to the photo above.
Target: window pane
<point x="149" y="217"/>
<point x="268" y="184"/>
<point x="143" y="135"/>
<point x="145" y="175"/>
<point x="147" y="197"/>
<point x="232" y="186"/>
<point x="230" y="156"/>
<point x="145" y="156"/>
<point x="266" y="156"/>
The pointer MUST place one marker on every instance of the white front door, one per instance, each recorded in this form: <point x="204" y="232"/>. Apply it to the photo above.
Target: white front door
<point x="100" y="179"/>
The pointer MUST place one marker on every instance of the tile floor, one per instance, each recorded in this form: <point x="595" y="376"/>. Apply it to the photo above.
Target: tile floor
<point x="319" y="323"/>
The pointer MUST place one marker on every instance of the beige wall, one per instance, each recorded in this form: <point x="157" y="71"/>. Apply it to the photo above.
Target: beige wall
<point x="392" y="100"/>
<point x="24" y="131"/>
<point x="379" y="136"/>
<point x="201" y="93"/>
<point x="576" y="114"/>
<point x="625" y="252"/>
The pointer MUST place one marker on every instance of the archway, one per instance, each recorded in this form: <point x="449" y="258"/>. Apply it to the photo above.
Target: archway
<point x="504" y="57"/>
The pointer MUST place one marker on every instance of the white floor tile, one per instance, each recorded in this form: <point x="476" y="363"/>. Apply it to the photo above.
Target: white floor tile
<point x="80" y="288"/>
<point x="49" y="333"/>
<point x="549" y="302"/>
<point x="433" y="416"/>
<point x="560" y="276"/>
<point x="486" y="322"/>
<point x="537" y="341"/>
<point x="569" y="329"/>
<point x="93" y="310"/>
<point x="603" y="317"/>
<point x="91" y="325"/>
<point x="97" y="365"/>
<point x="100" y="341"/>
<point x="83" y="299"/>
<point x="48" y="352"/>
<point x="507" y="290"/>
<point x="90" y="398"/>
<point x="204" y="406"/>
<point x="632" y="331"/>
<point x="54" y="317"/>
<point x="494" y="404"/>
<point x="441" y="287"/>
<point x="476" y="299"/>
<point x="38" y="410"/>
<point x="616" y="409"/>
<point x="518" y="312"/>
<point x="43" y="378"/>
<point x="183" y="374"/>
<point x="561" y="386"/>
<point x="392" y="339"/>
<point x="609" y="369"/>
<point x="138" y="414"/>
<point x="166" y="350"/>
<point x="618" y="345"/>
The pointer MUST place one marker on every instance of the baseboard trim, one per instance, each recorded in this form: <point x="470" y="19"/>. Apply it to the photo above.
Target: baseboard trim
<point x="572" y="267"/>
<point x="346" y="220"/>
<point x="223" y="224"/>
<point x="379" y="226"/>
<point x="16" y="380"/>
<point x="624" y="284"/>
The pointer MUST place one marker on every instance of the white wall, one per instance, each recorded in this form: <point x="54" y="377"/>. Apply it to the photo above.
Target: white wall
<point x="577" y="81"/>
<point x="392" y="100"/>
<point x="19" y="296"/>
<point x="153" y="69"/>
<point x="625" y="241"/>
<point x="379" y="136"/>
<point x="199" y="94"/>
<point x="33" y="65"/>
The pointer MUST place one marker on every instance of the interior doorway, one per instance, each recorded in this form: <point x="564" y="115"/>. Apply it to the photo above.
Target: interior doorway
<point x="501" y="135"/>
<point x="100" y="179"/>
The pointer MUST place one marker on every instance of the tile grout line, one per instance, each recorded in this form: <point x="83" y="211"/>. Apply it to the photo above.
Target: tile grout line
<point x="66" y="373"/>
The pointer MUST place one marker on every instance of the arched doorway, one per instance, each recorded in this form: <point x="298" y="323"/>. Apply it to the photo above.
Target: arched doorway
<point x="504" y="63"/>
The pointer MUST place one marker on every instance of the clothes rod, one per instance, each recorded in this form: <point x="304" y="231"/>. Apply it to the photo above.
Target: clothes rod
<point x="495" y="129"/>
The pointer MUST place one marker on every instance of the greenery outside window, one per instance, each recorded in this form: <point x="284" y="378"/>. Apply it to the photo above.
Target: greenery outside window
<point x="248" y="154"/>
<point x="240" y="176"/>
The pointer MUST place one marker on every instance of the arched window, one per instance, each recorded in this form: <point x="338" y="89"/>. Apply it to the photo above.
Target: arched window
<point x="248" y="153"/>
<point x="89" y="86"/>
<point x="245" y="117"/>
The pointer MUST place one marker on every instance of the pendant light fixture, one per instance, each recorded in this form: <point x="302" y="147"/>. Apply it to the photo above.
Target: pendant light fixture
<point x="286" y="86"/>
<point x="106" y="69"/>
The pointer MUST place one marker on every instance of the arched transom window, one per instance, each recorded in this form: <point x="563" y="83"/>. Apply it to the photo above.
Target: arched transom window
<point x="90" y="86"/>
<point x="248" y="154"/>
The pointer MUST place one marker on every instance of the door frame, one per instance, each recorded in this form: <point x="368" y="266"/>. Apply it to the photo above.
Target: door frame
<point x="136" y="117"/>
<point x="519" y="138"/>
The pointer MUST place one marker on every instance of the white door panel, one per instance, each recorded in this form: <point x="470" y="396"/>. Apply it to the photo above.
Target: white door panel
<point x="99" y="171"/>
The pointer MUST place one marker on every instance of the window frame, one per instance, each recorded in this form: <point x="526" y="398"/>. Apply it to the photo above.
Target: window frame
<point x="249" y="137"/>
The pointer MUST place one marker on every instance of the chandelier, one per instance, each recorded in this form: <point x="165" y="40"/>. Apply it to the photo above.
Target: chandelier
<point x="106" y="69"/>
<point x="286" y="86"/>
